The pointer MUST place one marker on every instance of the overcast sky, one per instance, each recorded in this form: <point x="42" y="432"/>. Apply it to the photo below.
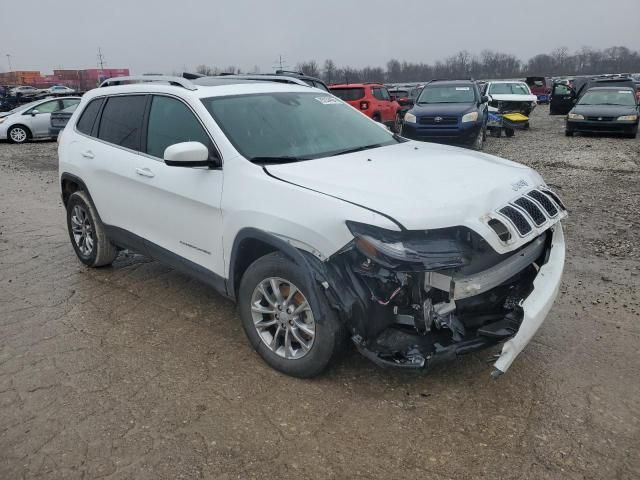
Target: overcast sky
<point x="163" y="36"/>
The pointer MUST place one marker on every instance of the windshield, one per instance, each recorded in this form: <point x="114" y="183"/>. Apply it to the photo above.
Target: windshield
<point x="446" y="94"/>
<point x="399" y="93"/>
<point x="515" y="88"/>
<point x="25" y="106"/>
<point x="292" y="126"/>
<point x="608" y="97"/>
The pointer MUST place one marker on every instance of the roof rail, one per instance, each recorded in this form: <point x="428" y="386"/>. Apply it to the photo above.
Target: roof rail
<point x="470" y="79"/>
<point x="175" y="81"/>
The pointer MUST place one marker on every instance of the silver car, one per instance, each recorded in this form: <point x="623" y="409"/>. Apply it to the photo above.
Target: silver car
<point x="32" y="120"/>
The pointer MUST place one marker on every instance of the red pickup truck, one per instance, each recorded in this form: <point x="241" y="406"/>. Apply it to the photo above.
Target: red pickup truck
<point x="540" y="87"/>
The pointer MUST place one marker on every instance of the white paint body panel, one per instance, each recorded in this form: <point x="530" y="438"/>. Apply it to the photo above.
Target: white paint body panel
<point x="537" y="305"/>
<point x="418" y="185"/>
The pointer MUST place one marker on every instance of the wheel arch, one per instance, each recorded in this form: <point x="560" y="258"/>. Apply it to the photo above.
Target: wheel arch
<point x="29" y="132"/>
<point x="251" y="244"/>
<point x="69" y="184"/>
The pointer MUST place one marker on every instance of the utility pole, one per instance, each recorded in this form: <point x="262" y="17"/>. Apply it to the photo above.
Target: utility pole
<point x="280" y="65"/>
<point x="100" y="60"/>
<point x="9" y="61"/>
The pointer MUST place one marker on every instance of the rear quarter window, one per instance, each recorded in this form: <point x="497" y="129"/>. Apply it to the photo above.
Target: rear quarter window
<point x="348" y="94"/>
<point x="88" y="116"/>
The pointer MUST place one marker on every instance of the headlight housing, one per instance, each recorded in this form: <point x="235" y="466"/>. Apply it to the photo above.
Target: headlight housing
<point x="470" y="117"/>
<point x="628" y="118"/>
<point x="409" y="250"/>
<point x="409" y="118"/>
<point x="575" y="116"/>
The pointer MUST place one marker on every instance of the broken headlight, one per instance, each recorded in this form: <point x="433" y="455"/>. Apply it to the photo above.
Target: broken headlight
<point x="417" y="250"/>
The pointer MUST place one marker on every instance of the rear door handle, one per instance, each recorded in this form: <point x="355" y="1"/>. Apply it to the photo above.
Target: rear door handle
<point x="88" y="154"/>
<point x="145" y="172"/>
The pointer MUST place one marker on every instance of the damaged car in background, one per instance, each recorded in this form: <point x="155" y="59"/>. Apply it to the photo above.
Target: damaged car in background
<point x="325" y="225"/>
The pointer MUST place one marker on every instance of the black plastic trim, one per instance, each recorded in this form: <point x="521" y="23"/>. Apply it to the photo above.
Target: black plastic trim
<point x="126" y="239"/>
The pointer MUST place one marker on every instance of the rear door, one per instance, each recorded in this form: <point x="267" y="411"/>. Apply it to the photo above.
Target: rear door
<point x="562" y="99"/>
<point x="111" y="160"/>
<point x="385" y="105"/>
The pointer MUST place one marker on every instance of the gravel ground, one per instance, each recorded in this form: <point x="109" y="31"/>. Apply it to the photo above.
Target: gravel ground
<point x="136" y="371"/>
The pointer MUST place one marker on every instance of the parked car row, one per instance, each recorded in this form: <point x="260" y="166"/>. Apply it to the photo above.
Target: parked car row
<point x="33" y="120"/>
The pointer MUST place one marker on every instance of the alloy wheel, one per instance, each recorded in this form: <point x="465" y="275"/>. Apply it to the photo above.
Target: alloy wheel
<point x="18" y="135"/>
<point x="283" y="318"/>
<point x="82" y="230"/>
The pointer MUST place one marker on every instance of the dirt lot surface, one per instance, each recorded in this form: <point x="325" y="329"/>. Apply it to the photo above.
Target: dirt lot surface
<point x="136" y="371"/>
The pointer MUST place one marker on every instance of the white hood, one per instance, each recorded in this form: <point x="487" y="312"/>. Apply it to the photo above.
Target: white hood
<point x="420" y="185"/>
<point x="509" y="97"/>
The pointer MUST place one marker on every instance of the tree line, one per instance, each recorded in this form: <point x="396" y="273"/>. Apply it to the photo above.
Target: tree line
<point x="488" y="64"/>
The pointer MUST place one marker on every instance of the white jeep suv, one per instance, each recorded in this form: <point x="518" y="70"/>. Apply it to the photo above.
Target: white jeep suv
<point x="319" y="222"/>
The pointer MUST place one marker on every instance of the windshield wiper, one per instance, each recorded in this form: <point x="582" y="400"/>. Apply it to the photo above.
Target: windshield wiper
<point x="359" y="149"/>
<point x="283" y="159"/>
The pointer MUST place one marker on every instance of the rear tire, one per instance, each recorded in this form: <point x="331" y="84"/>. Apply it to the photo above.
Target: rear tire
<point x="568" y="133"/>
<point x="268" y="312"/>
<point x="87" y="233"/>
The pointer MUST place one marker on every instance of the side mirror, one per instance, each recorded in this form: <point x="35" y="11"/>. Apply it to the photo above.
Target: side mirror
<point x="187" y="154"/>
<point x="484" y="99"/>
<point x="34" y="113"/>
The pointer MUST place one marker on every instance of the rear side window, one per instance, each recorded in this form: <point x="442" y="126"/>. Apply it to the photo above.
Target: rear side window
<point x="88" y="116"/>
<point x="348" y="94"/>
<point x="171" y="122"/>
<point x="121" y="120"/>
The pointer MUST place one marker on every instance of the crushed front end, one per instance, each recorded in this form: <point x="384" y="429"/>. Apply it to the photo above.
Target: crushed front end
<point x="415" y="298"/>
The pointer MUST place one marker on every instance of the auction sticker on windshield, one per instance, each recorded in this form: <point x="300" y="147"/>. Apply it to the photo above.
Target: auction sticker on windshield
<point x="465" y="89"/>
<point x="328" y="100"/>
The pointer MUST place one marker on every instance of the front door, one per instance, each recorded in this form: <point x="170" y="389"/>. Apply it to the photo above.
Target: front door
<point x="179" y="207"/>
<point x="38" y="118"/>
<point x="562" y="99"/>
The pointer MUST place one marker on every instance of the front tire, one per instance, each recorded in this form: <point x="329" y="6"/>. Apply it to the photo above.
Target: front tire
<point x="279" y="318"/>
<point x="509" y="132"/>
<point x="87" y="233"/>
<point x="18" y="134"/>
<point x="478" y="143"/>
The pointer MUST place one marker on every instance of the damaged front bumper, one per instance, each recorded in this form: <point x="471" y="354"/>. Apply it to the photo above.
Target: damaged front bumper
<point x="537" y="305"/>
<point x="413" y="319"/>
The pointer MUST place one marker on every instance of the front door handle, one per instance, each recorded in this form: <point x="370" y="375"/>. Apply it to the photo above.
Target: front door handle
<point x="145" y="172"/>
<point x="88" y="154"/>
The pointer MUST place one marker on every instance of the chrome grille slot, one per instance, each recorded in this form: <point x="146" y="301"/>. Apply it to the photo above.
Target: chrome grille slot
<point x="518" y="219"/>
<point x="555" y="197"/>
<point x="532" y="210"/>
<point x="543" y="200"/>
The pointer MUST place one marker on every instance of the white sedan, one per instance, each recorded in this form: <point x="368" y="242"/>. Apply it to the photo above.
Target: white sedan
<point x="60" y="89"/>
<point x="32" y="120"/>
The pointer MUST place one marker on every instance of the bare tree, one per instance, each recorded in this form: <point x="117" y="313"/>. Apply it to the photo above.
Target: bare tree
<point x="329" y="71"/>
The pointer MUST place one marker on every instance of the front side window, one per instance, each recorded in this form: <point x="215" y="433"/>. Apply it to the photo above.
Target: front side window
<point x="121" y="121"/>
<point x="292" y="126"/>
<point x="561" y="89"/>
<point x="446" y="94"/>
<point x="68" y="102"/>
<point x="381" y="93"/>
<point x="88" y="116"/>
<point x="47" y="107"/>
<point x="171" y="122"/>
